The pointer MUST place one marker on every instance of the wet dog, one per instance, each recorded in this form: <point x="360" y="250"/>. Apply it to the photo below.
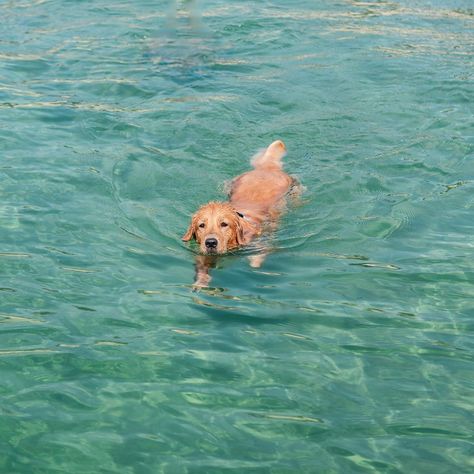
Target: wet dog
<point x="256" y="198"/>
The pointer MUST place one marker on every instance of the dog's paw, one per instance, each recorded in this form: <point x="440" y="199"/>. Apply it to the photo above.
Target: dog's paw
<point x="256" y="261"/>
<point x="202" y="281"/>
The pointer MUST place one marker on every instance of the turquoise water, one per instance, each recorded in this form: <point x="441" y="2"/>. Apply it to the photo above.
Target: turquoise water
<point x="350" y="351"/>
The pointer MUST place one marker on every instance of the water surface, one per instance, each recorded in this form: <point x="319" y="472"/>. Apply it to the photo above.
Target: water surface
<point x="350" y="350"/>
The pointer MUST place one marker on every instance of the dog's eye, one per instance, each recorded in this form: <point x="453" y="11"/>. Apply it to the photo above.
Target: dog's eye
<point x="224" y="224"/>
<point x="202" y="225"/>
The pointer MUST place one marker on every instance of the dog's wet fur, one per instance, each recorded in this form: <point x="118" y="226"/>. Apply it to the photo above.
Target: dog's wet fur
<point x="255" y="198"/>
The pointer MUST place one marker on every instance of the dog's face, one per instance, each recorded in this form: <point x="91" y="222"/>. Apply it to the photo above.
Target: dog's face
<point x="216" y="227"/>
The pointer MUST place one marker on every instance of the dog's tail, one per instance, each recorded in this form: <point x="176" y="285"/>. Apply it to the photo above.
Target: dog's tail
<point x="270" y="157"/>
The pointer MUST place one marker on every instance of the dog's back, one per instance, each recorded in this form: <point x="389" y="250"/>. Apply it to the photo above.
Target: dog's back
<point x="266" y="185"/>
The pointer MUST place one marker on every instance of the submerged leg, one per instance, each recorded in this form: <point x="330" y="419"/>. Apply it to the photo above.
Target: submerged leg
<point x="256" y="261"/>
<point x="203" y="264"/>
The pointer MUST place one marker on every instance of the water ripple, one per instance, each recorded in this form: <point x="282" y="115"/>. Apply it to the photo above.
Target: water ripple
<point x="349" y="350"/>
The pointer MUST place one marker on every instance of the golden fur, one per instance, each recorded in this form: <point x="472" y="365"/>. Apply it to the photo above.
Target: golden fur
<point x="217" y="220"/>
<point x="255" y="197"/>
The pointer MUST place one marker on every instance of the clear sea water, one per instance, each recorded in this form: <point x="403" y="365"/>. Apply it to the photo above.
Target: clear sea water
<point x="350" y="351"/>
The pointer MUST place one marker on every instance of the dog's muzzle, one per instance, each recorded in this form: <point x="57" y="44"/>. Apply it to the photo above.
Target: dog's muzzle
<point x="211" y="244"/>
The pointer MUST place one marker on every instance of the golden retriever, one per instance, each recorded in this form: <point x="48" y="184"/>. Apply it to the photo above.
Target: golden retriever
<point x="255" y="198"/>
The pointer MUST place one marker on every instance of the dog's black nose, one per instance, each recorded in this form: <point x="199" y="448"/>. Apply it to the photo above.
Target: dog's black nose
<point x="211" y="243"/>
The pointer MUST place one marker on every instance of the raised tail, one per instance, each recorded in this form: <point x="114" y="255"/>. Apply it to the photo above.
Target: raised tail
<point x="270" y="157"/>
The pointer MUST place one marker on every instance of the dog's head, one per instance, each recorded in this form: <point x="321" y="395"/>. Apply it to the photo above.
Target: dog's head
<point x="216" y="227"/>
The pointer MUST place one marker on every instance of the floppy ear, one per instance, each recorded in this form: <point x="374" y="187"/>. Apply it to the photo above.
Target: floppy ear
<point x="237" y="236"/>
<point x="189" y="233"/>
<point x="240" y="230"/>
<point x="240" y="233"/>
